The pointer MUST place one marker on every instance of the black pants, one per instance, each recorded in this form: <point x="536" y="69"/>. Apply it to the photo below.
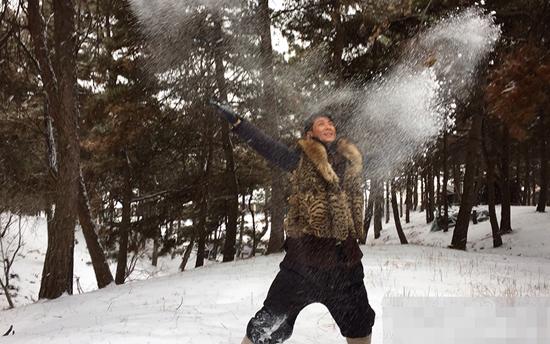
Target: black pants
<point x="290" y="292"/>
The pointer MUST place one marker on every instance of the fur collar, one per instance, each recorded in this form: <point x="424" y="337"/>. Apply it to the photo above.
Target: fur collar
<point x="317" y="153"/>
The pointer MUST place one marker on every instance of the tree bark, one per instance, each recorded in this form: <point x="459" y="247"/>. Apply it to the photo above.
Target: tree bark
<point x="415" y="192"/>
<point x="543" y="144"/>
<point x="534" y="189"/>
<point x="368" y="215"/>
<point x="430" y="201"/>
<point x="378" y="206"/>
<point x="277" y="206"/>
<point x="489" y="154"/>
<point x="438" y="191"/>
<point x="422" y="191"/>
<point x="460" y="232"/>
<point x="400" y="203"/>
<point x="187" y="253"/>
<point x="256" y="238"/>
<point x="408" y="199"/>
<point x="457" y="182"/>
<point x="252" y="215"/>
<point x="527" y="180"/>
<point x="124" y="229"/>
<point x="230" y="175"/>
<point x="241" y="226"/>
<point x="200" y="229"/>
<point x="517" y="195"/>
<point x="59" y="84"/>
<point x="387" y="200"/>
<point x="505" y="213"/>
<point x="445" y="224"/>
<point x="50" y="139"/>
<point x="155" y="255"/>
<point x="103" y="274"/>
<point x="400" y="233"/>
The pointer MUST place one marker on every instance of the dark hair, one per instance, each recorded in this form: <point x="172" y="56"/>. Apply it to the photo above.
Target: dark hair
<point x="308" y="123"/>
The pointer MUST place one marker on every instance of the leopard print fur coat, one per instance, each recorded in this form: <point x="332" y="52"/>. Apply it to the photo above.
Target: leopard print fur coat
<point x="320" y="203"/>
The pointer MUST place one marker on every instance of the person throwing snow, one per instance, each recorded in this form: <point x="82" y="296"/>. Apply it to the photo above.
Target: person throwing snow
<point x="323" y="225"/>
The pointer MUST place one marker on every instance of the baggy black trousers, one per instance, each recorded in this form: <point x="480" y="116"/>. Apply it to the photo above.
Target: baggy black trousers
<point x="291" y="291"/>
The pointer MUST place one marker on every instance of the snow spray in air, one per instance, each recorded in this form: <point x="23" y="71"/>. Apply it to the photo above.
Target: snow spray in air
<point x="394" y="117"/>
<point x="171" y="26"/>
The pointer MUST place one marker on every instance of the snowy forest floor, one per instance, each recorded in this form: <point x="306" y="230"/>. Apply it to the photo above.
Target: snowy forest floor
<point x="212" y="304"/>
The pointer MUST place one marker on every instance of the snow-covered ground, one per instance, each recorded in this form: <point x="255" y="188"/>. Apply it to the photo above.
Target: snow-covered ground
<point x="530" y="237"/>
<point x="212" y="304"/>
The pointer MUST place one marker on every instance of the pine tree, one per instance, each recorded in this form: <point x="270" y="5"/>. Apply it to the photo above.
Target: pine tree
<point x="59" y="79"/>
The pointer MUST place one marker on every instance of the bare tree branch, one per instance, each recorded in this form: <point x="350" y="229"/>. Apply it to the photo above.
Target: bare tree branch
<point x="8" y="254"/>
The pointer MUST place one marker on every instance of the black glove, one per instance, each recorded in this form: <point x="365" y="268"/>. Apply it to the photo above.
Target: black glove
<point x="230" y="115"/>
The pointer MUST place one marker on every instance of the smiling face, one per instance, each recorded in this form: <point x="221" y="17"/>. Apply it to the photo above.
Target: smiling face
<point x="323" y="129"/>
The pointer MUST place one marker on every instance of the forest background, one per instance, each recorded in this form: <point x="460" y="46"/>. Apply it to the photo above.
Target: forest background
<point x="92" y="131"/>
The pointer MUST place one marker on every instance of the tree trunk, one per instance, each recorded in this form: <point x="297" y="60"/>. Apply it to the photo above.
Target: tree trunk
<point x="445" y="224"/>
<point x="252" y="215"/>
<point x="214" y="237"/>
<point x="155" y="255"/>
<point x="50" y="139"/>
<point x="230" y="175"/>
<point x="187" y="253"/>
<point x="400" y="203"/>
<point x="430" y="195"/>
<point x="124" y="229"/>
<point x="368" y="215"/>
<point x="241" y="226"/>
<point x="396" y="219"/>
<point x="534" y="190"/>
<point x="337" y="42"/>
<point x="264" y="230"/>
<point x="423" y="193"/>
<point x="438" y="191"/>
<point x="254" y="239"/>
<point x="543" y="143"/>
<point x="527" y="180"/>
<point x="408" y="199"/>
<point x="505" y="213"/>
<point x="7" y="294"/>
<point x="415" y="192"/>
<point x="387" y="200"/>
<point x="9" y="256"/>
<point x="477" y="185"/>
<point x="457" y="182"/>
<point x="200" y="229"/>
<point x="59" y="84"/>
<point x="497" y="240"/>
<point x="489" y="155"/>
<point x="277" y="237"/>
<point x="460" y="232"/>
<point x="517" y="195"/>
<point x="378" y="206"/>
<point x="103" y="274"/>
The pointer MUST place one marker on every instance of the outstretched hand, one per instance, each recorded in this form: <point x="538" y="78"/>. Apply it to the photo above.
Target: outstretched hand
<point x="227" y="113"/>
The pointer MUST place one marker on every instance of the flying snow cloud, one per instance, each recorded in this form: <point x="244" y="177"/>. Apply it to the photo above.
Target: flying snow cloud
<point x="394" y="117"/>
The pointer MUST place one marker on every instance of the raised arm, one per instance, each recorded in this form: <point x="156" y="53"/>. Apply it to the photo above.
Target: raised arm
<point x="274" y="151"/>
